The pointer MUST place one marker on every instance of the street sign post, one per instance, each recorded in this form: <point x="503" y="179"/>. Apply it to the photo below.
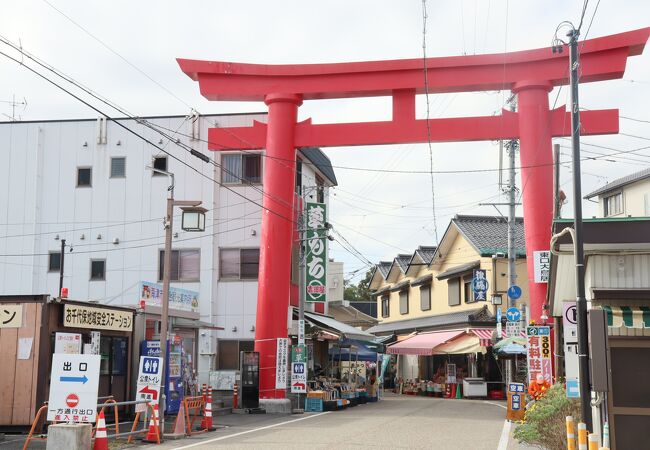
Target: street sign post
<point x="516" y="401"/>
<point x="513" y="315"/>
<point x="513" y="329"/>
<point x="298" y="378"/>
<point x="514" y="292"/>
<point x="74" y="382"/>
<point x="299" y="353"/>
<point x="150" y="377"/>
<point x="301" y="331"/>
<point x="571" y="360"/>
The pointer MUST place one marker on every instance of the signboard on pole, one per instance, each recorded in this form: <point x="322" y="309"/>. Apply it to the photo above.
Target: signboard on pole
<point x="281" y="361"/>
<point x="301" y="331"/>
<point x="480" y="285"/>
<point x="516" y="401"/>
<point x="316" y="253"/>
<point x="68" y="343"/>
<point x="150" y="377"/>
<point x="298" y="353"/>
<point x="542" y="265"/>
<point x="74" y="382"/>
<point x="499" y="326"/>
<point x="513" y="329"/>
<point x="538" y="347"/>
<point x="570" y="322"/>
<point x="298" y="378"/>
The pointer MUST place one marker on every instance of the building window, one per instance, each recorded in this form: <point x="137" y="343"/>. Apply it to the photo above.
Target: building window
<point x="299" y="176"/>
<point x="239" y="263"/>
<point x="228" y="353"/>
<point x="385" y="306"/>
<point x="186" y="265"/>
<point x="98" y="269"/>
<point x="160" y="163"/>
<point x="404" y="302"/>
<point x="241" y="168"/>
<point x="468" y="292"/>
<point x="425" y="297"/>
<point x="613" y="204"/>
<point x="118" y="167"/>
<point x="453" y="286"/>
<point x="84" y="176"/>
<point x="54" y="264"/>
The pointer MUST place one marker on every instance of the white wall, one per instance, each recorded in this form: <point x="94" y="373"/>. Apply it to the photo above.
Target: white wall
<point x="636" y="200"/>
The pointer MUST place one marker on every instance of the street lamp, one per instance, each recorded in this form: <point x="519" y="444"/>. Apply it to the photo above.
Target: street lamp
<point x="193" y="218"/>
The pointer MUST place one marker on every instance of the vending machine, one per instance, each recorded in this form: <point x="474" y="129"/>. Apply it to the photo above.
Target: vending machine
<point x="249" y="367"/>
<point x="173" y="382"/>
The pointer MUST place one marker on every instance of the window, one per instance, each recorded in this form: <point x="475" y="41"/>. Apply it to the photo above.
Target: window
<point x="425" y="297"/>
<point x="453" y="286"/>
<point x="228" y="353"/>
<point x="613" y="204"/>
<point x="98" y="269"/>
<point x="54" y="264"/>
<point x="236" y="263"/>
<point x="118" y="167"/>
<point x="299" y="176"/>
<point x="84" y="176"/>
<point x="241" y="168"/>
<point x="186" y="265"/>
<point x="385" y="306"/>
<point x="468" y="292"/>
<point x="404" y="302"/>
<point x="160" y="163"/>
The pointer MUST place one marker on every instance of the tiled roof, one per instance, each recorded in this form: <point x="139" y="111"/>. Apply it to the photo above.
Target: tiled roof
<point x="620" y="182"/>
<point x="403" y="261"/>
<point x="490" y="234"/>
<point x="319" y="159"/>
<point x="426" y="253"/>
<point x="440" y="320"/>
<point x="384" y="268"/>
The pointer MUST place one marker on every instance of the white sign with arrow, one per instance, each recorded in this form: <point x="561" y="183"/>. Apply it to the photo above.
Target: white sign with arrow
<point x="298" y="378"/>
<point x="73" y="388"/>
<point x="149" y="379"/>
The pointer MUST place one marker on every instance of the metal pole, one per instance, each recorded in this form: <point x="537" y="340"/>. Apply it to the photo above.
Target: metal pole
<point x="167" y="264"/>
<point x="61" y="266"/>
<point x="583" y="349"/>
<point x="301" y="275"/>
<point x="512" y="250"/>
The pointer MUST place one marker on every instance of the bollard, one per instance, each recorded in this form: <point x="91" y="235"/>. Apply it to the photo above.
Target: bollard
<point x="582" y="436"/>
<point x="235" y="396"/>
<point x="593" y="441"/>
<point x="69" y="436"/>
<point x="570" y="433"/>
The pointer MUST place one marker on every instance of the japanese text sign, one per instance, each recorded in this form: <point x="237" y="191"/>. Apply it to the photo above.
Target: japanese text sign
<point x="298" y="378"/>
<point x="183" y="299"/>
<point x="69" y="343"/>
<point x="542" y="265"/>
<point x="77" y="316"/>
<point x="11" y="315"/>
<point x="282" y="359"/>
<point x="73" y="388"/>
<point x="538" y="348"/>
<point x="150" y="376"/>
<point x="480" y="285"/>
<point x="316" y="253"/>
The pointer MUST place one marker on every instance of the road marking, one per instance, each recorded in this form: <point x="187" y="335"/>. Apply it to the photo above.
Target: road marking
<point x="505" y="435"/>
<point x="250" y="431"/>
<point x="496" y="404"/>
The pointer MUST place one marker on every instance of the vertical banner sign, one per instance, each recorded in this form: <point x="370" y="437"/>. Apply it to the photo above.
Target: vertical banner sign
<point x="149" y="379"/>
<point x="74" y="382"/>
<point x="316" y="253"/>
<point x="542" y="265"/>
<point x="281" y="361"/>
<point x="480" y="285"/>
<point x="516" y="401"/>
<point x="538" y="347"/>
<point x="301" y="331"/>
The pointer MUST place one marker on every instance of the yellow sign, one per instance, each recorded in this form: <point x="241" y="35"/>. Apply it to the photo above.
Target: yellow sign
<point x="77" y="316"/>
<point x="516" y="401"/>
<point x="11" y="315"/>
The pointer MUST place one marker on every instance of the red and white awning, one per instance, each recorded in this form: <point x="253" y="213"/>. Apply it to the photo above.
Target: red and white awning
<point x="423" y="344"/>
<point x="485" y="335"/>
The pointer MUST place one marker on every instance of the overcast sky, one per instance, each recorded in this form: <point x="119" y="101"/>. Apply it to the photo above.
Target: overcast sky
<point x="380" y="214"/>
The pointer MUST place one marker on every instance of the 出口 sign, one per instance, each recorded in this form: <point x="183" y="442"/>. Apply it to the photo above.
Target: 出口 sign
<point x="78" y="316"/>
<point x="316" y="253"/>
<point x="538" y="350"/>
<point x="74" y="383"/>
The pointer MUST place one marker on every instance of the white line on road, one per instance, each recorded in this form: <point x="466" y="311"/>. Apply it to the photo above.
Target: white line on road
<point x="250" y="431"/>
<point x="496" y="404"/>
<point x="505" y="436"/>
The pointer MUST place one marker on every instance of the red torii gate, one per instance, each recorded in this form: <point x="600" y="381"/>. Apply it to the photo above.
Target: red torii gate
<point x="530" y="74"/>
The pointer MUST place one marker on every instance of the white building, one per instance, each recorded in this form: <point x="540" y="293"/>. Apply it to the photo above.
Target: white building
<point x="87" y="181"/>
<point x="628" y="196"/>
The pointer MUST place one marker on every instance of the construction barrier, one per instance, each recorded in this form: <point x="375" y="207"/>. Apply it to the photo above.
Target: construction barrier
<point x="194" y="407"/>
<point x="115" y="414"/>
<point x="30" y="436"/>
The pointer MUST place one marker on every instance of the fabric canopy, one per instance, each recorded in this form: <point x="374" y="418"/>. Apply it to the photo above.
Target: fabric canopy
<point x="357" y="351"/>
<point x="628" y="316"/>
<point x="485" y="335"/>
<point x="339" y="327"/>
<point x="465" y="343"/>
<point x="423" y="344"/>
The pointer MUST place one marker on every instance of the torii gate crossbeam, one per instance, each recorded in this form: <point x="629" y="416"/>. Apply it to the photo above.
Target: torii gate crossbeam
<point x="530" y="74"/>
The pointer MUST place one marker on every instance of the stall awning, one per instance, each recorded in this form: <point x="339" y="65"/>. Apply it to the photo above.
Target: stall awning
<point x="339" y="327"/>
<point x="628" y="316"/>
<point x="423" y="344"/>
<point x="485" y="335"/>
<point x="465" y="343"/>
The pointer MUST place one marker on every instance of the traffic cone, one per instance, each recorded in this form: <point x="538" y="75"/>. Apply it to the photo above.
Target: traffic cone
<point x="179" y="427"/>
<point x="152" y="434"/>
<point x="206" y="423"/>
<point x="101" y="438"/>
<point x="453" y="391"/>
<point x="458" y="391"/>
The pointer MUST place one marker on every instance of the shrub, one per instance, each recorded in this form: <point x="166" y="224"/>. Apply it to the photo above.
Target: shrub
<point x="544" y="423"/>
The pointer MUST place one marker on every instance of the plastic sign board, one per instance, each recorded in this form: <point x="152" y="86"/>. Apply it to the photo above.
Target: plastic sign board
<point x="150" y="377"/>
<point x="513" y="315"/>
<point x="514" y="292"/>
<point x="68" y="343"/>
<point x="570" y="322"/>
<point x="516" y="401"/>
<point x="298" y="378"/>
<point x="11" y="316"/>
<point x="480" y="285"/>
<point x="301" y="331"/>
<point x="513" y="329"/>
<point x="538" y="350"/>
<point x="316" y="253"/>
<point x="74" y="382"/>
<point x="542" y="265"/>
<point x="79" y="316"/>
<point x="182" y="299"/>
<point x="299" y="353"/>
<point x="281" y="361"/>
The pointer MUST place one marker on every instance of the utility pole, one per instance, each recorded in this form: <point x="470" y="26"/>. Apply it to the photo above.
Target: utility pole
<point x="581" y="301"/>
<point x="512" y="189"/>
<point x="61" y="267"/>
<point x="302" y="276"/>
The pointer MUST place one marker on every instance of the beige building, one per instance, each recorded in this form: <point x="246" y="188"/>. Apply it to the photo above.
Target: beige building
<point x="628" y="196"/>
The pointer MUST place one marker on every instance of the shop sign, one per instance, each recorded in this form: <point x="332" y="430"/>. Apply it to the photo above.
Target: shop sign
<point x="182" y="299"/>
<point x="281" y="361"/>
<point x="298" y="353"/>
<point x="538" y="347"/>
<point x="516" y="401"/>
<point x="11" y="316"/>
<point x="301" y="331"/>
<point x="73" y="388"/>
<point x="316" y="253"/>
<point x="77" y="316"/>
<point x="542" y="265"/>
<point x="67" y="343"/>
<point x="150" y="376"/>
<point x="480" y="285"/>
<point x="298" y="378"/>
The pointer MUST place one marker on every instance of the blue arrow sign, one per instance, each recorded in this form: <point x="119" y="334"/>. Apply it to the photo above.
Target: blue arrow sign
<point x="513" y="315"/>
<point x="514" y="292"/>
<point x="83" y="379"/>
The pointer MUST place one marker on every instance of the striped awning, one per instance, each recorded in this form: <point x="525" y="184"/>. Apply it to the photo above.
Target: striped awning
<point x="485" y="335"/>
<point x="628" y="316"/>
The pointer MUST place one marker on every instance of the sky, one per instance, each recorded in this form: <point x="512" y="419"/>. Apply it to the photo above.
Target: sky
<point x="126" y="50"/>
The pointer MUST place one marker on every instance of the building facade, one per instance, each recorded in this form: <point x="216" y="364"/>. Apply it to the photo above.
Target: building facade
<point x="628" y="196"/>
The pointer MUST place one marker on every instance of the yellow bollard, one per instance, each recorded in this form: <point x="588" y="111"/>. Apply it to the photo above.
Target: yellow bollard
<point x="593" y="441"/>
<point x="582" y="436"/>
<point x="570" y="433"/>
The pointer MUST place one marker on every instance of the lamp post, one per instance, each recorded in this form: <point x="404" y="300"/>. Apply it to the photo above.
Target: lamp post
<point x="194" y="218"/>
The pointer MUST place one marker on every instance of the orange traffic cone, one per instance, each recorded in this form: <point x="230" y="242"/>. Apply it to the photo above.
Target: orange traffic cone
<point x="101" y="438"/>
<point x="179" y="427"/>
<point x="152" y="435"/>
<point x="206" y="423"/>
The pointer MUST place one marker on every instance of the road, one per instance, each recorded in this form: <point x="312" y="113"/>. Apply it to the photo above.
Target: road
<point x="395" y="422"/>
